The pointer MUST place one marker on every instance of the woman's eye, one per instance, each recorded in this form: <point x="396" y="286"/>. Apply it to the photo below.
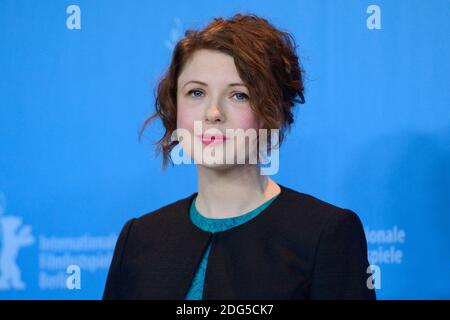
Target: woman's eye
<point x="241" y="96"/>
<point x="195" y="93"/>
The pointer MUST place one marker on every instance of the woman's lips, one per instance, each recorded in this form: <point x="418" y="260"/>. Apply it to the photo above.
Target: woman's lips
<point x="207" y="140"/>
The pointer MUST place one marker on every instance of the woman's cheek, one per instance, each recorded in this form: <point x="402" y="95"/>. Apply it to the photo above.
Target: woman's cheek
<point x="185" y="119"/>
<point x="247" y="120"/>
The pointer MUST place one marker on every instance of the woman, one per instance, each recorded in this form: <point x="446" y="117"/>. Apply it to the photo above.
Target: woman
<point x="242" y="235"/>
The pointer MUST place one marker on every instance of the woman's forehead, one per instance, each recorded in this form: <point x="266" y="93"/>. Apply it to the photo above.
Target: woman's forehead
<point x="210" y="67"/>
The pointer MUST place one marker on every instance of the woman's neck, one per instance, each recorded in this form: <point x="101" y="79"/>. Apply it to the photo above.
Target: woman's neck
<point x="226" y="193"/>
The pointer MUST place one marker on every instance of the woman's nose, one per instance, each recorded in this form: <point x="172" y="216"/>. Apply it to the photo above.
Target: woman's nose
<point x="214" y="114"/>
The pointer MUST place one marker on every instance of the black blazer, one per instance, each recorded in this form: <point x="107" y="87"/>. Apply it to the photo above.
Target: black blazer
<point x="299" y="247"/>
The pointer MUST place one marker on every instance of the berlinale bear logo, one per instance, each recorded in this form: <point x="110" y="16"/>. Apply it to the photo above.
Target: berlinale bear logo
<point x="13" y="236"/>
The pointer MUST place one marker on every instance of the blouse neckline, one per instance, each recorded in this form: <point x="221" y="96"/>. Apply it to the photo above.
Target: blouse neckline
<point x="222" y="224"/>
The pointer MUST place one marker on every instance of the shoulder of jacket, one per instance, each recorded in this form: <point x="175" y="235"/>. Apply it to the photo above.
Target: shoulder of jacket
<point x="309" y="209"/>
<point x="164" y="217"/>
<point x="305" y="219"/>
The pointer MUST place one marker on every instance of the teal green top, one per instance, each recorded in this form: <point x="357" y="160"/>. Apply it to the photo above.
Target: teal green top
<point x="215" y="225"/>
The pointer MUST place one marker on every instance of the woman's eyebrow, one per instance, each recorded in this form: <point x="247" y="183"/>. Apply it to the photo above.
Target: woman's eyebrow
<point x="204" y="84"/>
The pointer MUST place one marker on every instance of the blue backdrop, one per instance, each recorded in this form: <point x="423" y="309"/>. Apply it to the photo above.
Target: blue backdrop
<point x="76" y="84"/>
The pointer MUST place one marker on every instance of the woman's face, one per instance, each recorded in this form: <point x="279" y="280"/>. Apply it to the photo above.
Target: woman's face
<point x="211" y="93"/>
